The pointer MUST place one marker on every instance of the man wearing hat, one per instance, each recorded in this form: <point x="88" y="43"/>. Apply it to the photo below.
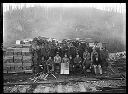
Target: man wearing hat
<point x="87" y="61"/>
<point x="95" y="59"/>
<point x="77" y="61"/>
<point x="65" y="66"/>
<point x="57" y="61"/>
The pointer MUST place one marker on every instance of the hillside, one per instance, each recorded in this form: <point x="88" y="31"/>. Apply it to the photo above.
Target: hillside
<point x="65" y="23"/>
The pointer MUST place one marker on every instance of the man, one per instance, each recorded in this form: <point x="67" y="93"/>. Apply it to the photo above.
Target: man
<point x="43" y="63"/>
<point x="77" y="62"/>
<point x="95" y="58"/>
<point x="104" y="57"/>
<point x="52" y="51"/>
<point x="65" y="65"/>
<point x="86" y="55"/>
<point x="57" y="61"/>
<point x="64" y="49"/>
<point x="72" y="51"/>
<point x="87" y="61"/>
<point x="50" y="64"/>
<point x="35" y="65"/>
<point x="80" y="50"/>
<point x="70" y="64"/>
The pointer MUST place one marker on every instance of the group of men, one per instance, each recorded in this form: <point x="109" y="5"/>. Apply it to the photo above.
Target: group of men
<point x="80" y="58"/>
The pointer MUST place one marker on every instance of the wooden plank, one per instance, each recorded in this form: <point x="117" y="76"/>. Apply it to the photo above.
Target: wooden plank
<point x="82" y="88"/>
<point x="46" y="90"/>
<point x="27" y="64"/>
<point x="28" y="71"/>
<point x="17" y="59"/>
<point x="59" y="89"/>
<point x="26" y="67"/>
<point x="69" y="88"/>
<point x="18" y="68"/>
<point x="26" y="54"/>
<point x="9" y="60"/>
<point x="76" y="88"/>
<point x="25" y="49"/>
<point x="39" y="89"/>
<point x="4" y="71"/>
<point x="27" y="59"/>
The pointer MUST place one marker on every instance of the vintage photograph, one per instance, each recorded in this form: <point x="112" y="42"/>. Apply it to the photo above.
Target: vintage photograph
<point x="64" y="47"/>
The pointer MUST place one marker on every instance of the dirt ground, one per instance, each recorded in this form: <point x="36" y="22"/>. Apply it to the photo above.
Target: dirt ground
<point x="107" y="82"/>
<point x="63" y="83"/>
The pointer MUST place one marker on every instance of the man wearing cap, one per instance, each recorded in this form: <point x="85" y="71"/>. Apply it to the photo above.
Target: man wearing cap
<point x="104" y="57"/>
<point x="65" y="61"/>
<point x="77" y="61"/>
<point x="95" y="59"/>
<point x="70" y="64"/>
<point x="50" y="64"/>
<point x="87" y="61"/>
<point x="57" y="61"/>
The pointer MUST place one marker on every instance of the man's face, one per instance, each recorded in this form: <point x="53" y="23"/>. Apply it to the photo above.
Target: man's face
<point x="42" y="58"/>
<point x="77" y="56"/>
<point x="65" y="55"/>
<point x="94" y="50"/>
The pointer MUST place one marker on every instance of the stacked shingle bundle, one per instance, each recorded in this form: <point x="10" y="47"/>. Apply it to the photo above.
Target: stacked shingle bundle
<point x="8" y="59"/>
<point x="27" y="59"/>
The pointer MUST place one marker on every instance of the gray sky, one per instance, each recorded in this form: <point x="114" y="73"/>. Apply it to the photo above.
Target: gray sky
<point x="119" y="7"/>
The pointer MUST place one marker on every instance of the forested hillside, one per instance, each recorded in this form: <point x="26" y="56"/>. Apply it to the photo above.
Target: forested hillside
<point x="65" y="23"/>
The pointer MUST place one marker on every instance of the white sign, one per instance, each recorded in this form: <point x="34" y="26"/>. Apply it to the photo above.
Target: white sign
<point x="17" y="41"/>
<point x="91" y="44"/>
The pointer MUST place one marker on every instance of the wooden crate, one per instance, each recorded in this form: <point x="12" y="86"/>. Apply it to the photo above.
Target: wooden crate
<point x="18" y="69"/>
<point x="5" y="67"/>
<point x="9" y="53"/>
<point x="17" y="53"/>
<point x="27" y="66"/>
<point x="28" y="71"/>
<point x="27" y="59"/>
<point x="11" y="69"/>
<point x="18" y="45"/>
<point x="5" y="71"/>
<point x="17" y="59"/>
<point x="26" y="52"/>
<point x="8" y="59"/>
<point x="26" y="45"/>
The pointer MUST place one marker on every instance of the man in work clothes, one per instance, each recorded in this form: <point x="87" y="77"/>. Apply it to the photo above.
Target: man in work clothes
<point x="57" y="61"/>
<point x="95" y="59"/>
<point x="50" y="64"/>
<point x="77" y="62"/>
<point x="71" y="64"/>
<point x="87" y="61"/>
<point x="65" y="66"/>
<point x="104" y="58"/>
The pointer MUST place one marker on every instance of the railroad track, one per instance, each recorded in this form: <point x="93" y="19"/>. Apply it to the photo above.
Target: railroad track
<point x="63" y="81"/>
<point x="63" y="86"/>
